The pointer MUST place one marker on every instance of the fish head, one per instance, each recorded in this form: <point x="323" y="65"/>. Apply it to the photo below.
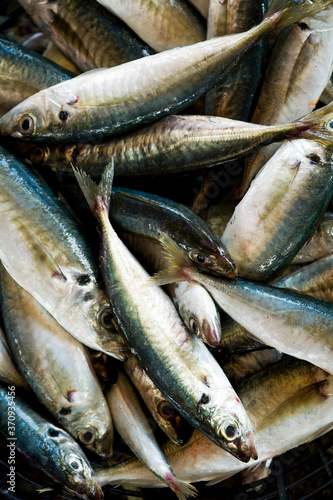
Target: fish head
<point x="39" y="117"/>
<point x="214" y="261"/>
<point x="94" y="428"/>
<point x="77" y="474"/>
<point x="198" y="311"/>
<point x="237" y="438"/>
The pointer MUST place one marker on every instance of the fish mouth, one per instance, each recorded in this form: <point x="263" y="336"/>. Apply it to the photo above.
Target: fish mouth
<point x="98" y="493"/>
<point x="210" y="334"/>
<point x="244" y="451"/>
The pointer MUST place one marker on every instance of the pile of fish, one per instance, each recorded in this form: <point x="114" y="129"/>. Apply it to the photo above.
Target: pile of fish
<point x="213" y="320"/>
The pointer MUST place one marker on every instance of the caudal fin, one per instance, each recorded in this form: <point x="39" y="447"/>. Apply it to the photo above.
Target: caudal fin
<point x="182" y="489"/>
<point x="97" y="195"/>
<point x="320" y="124"/>
<point x="282" y="13"/>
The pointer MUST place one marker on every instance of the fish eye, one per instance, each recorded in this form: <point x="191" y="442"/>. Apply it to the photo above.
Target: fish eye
<point x="26" y="124"/>
<point x="105" y="317"/>
<point x="165" y="409"/>
<point x="197" y="257"/>
<point x="86" y="436"/>
<point x="75" y="463"/>
<point x="53" y="433"/>
<point x="229" y="431"/>
<point x="193" y="326"/>
<point x="330" y="124"/>
<point x="39" y="155"/>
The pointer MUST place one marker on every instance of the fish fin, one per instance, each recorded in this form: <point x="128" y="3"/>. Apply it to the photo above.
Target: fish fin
<point x="97" y="195"/>
<point x="182" y="489"/>
<point x="255" y="473"/>
<point x="320" y="124"/>
<point x="179" y="260"/>
<point x="283" y="13"/>
<point x="44" y="490"/>
<point x="42" y="255"/>
<point x="222" y="477"/>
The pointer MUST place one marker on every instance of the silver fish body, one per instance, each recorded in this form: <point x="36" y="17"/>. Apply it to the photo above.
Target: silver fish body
<point x="57" y="367"/>
<point x="52" y="260"/>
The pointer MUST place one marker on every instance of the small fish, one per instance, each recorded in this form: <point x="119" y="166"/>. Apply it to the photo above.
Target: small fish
<point x="304" y="330"/>
<point x="57" y="368"/>
<point x="133" y="426"/>
<point x="279" y="211"/>
<point x="172" y="356"/>
<point x="290" y="395"/>
<point x="56" y="264"/>
<point x="111" y="101"/>
<point x="48" y="447"/>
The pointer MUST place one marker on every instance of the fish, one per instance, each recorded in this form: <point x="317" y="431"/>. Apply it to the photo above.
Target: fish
<point x="279" y="212"/>
<point x="24" y="73"/>
<point x="177" y="361"/>
<point x="57" y="367"/>
<point x="173" y="145"/>
<point x="303" y="403"/>
<point x="202" y="6"/>
<point x="135" y="429"/>
<point x="162" y="25"/>
<point x="291" y="322"/>
<point x="47" y="447"/>
<point x="148" y="215"/>
<point x="86" y="33"/>
<point x="303" y="55"/>
<point x="56" y="264"/>
<point x="164" y="414"/>
<point x="111" y="101"/>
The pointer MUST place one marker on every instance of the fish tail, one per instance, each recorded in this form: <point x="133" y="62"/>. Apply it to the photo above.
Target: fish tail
<point x="181" y="264"/>
<point x="319" y="124"/>
<point x="98" y="196"/>
<point x="182" y="489"/>
<point x="282" y="13"/>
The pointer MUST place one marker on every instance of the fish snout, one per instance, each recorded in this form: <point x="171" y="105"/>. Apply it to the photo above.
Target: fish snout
<point x="243" y="450"/>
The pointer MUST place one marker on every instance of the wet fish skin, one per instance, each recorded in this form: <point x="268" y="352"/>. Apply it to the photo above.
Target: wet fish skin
<point x="172" y="145"/>
<point x="279" y="211"/>
<point x="308" y="411"/>
<point x="57" y="367"/>
<point x="303" y="55"/>
<point x="24" y="73"/>
<point x="8" y="370"/>
<point x="136" y="95"/>
<point x="315" y="279"/>
<point x="134" y="428"/>
<point x="174" y="358"/>
<point x="320" y="244"/>
<point x="165" y="415"/>
<point x="48" y="238"/>
<point x="233" y="98"/>
<point x="86" y="33"/>
<point x="162" y="25"/>
<point x="194" y="304"/>
<point x="48" y="447"/>
<point x="200" y="242"/>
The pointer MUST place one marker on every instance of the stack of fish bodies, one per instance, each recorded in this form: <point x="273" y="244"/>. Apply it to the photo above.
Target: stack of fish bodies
<point x="58" y="306"/>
